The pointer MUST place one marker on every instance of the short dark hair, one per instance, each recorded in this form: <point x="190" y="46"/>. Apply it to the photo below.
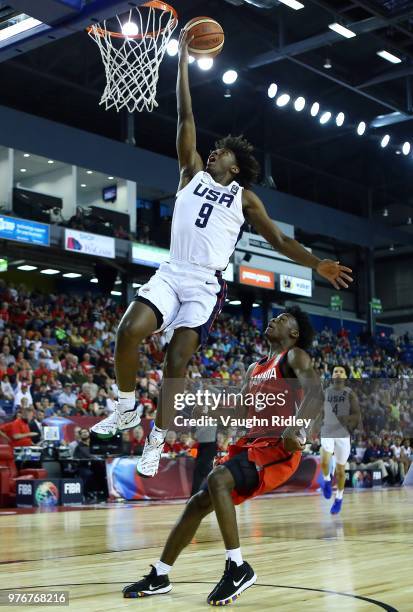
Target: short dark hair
<point x="305" y="329"/>
<point x="249" y="168"/>
<point x="341" y="365"/>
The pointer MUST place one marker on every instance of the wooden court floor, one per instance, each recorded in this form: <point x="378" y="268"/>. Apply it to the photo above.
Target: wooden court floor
<point x="305" y="559"/>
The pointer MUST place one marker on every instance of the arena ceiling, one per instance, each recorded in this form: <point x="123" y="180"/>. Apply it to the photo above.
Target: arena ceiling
<point x="332" y="165"/>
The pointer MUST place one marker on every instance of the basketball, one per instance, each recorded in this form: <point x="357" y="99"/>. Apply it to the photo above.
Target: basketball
<point x="208" y="37"/>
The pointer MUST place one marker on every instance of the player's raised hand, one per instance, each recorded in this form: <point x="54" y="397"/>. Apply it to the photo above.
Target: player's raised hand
<point x="184" y="40"/>
<point x="335" y="273"/>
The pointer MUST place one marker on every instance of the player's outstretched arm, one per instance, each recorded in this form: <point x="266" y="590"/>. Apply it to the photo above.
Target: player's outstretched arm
<point x="312" y="405"/>
<point x="189" y="160"/>
<point x="255" y="213"/>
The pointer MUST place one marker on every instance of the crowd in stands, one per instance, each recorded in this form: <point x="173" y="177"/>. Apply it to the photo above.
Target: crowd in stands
<point x="57" y="357"/>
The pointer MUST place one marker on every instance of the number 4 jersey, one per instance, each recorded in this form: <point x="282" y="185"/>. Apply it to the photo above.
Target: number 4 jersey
<point x="206" y="223"/>
<point x="336" y="404"/>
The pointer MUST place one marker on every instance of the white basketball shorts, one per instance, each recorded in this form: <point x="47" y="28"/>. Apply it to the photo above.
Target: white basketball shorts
<point x="186" y="295"/>
<point x="339" y="446"/>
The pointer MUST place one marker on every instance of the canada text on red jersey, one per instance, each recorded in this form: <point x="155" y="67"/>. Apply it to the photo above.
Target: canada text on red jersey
<point x="275" y="396"/>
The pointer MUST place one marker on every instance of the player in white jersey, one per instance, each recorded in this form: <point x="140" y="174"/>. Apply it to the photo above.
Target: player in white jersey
<point x="341" y="416"/>
<point x="187" y="293"/>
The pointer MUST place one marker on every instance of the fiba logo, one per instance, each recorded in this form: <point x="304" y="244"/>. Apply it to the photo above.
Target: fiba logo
<point x="24" y="489"/>
<point x="47" y="494"/>
<point x="70" y="488"/>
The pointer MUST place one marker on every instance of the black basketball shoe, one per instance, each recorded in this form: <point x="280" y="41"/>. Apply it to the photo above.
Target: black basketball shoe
<point x="234" y="580"/>
<point x="152" y="584"/>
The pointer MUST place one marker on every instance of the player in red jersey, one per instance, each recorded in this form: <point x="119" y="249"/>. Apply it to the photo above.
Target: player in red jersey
<point x="255" y="464"/>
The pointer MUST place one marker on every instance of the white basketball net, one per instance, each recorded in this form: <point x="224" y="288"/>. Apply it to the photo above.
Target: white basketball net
<point x="132" y="62"/>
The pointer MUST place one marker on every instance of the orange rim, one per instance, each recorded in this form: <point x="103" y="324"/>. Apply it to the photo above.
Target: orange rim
<point x="157" y="4"/>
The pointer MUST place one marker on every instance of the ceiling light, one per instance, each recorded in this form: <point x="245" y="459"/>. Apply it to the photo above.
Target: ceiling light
<point x="283" y="100"/>
<point x="172" y="47"/>
<point x="130" y="28"/>
<point x="314" y="109"/>
<point x="118" y="281"/>
<point x="391" y="247"/>
<point x="229" y="77"/>
<point x="27" y="23"/>
<point x="385" y="141"/>
<point x="255" y="305"/>
<point x="398" y="152"/>
<point x="94" y="280"/>
<point x="205" y="63"/>
<point x="294" y="4"/>
<point x="136" y="285"/>
<point x="72" y="275"/>
<point x="116" y="293"/>
<point x="327" y="64"/>
<point x="406" y="148"/>
<point x="340" y="119"/>
<point x="389" y="57"/>
<point x="272" y="90"/>
<point x="385" y="213"/>
<point x="227" y="93"/>
<point x="234" y="303"/>
<point x="50" y="161"/>
<point x="361" y="128"/>
<point x="49" y="271"/>
<point x="26" y="154"/>
<point x="23" y="170"/>
<point x="191" y="59"/>
<point x="299" y="104"/>
<point x="325" y="117"/>
<point x="409" y="221"/>
<point x="89" y="172"/>
<point x="339" y="29"/>
<point x="111" y="178"/>
<point x="27" y="268"/>
<point x="83" y="185"/>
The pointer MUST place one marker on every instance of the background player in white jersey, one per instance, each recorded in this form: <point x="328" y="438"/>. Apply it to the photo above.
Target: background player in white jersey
<point x="341" y="416"/>
<point x="187" y="293"/>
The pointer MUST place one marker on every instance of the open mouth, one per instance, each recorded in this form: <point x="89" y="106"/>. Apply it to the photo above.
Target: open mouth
<point x="211" y="160"/>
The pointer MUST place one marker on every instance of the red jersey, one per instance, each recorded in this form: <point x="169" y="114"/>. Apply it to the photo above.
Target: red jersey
<point x="275" y="397"/>
<point x="274" y="464"/>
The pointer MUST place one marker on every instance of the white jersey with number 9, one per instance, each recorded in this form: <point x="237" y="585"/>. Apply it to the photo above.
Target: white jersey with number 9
<point x="206" y="222"/>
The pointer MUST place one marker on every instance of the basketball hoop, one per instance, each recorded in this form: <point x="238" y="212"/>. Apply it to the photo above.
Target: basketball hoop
<point x="132" y="51"/>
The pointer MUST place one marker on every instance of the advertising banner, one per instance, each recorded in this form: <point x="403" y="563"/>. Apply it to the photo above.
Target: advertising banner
<point x="298" y="286"/>
<point x="148" y="255"/>
<point x="256" y="277"/>
<point x="89" y="244"/>
<point x="23" y="230"/>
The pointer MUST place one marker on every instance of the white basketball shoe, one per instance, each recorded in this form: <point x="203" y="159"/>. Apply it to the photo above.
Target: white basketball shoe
<point x="148" y="464"/>
<point x="120" y="419"/>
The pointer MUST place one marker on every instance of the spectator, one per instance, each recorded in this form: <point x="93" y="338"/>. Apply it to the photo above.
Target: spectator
<point x="6" y="390"/>
<point x="6" y="354"/>
<point x="19" y="431"/>
<point x="372" y="459"/>
<point x="72" y="445"/>
<point x="86" y="364"/>
<point x="399" y="458"/>
<point x="23" y="393"/>
<point x="90" y="387"/>
<point x="171" y="443"/>
<point x="67" y="396"/>
<point x="36" y="425"/>
<point x="138" y="440"/>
